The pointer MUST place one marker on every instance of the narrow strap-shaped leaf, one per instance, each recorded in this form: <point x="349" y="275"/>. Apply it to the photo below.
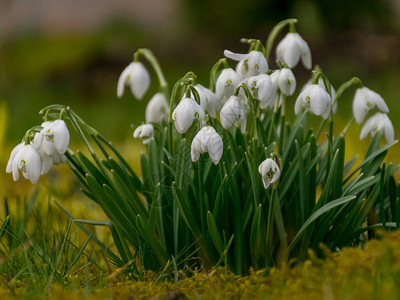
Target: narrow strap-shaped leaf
<point x="326" y="208"/>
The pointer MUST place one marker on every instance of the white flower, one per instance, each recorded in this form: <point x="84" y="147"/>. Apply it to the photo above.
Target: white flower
<point x="291" y="48"/>
<point x="208" y="100"/>
<point x="260" y="86"/>
<point x="322" y="84"/>
<point x="233" y="111"/>
<point x="137" y="77"/>
<point x="207" y="140"/>
<point x="250" y="64"/>
<point x="285" y="80"/>
<point x="26" y="159"/>
<point x="226" y="83"/>
<point x="157" y="109"/>
<point x="185" y="113"/>
<point x="269" y="171"/>
<point x="315" y="99"/>
<point x="56" y="137"/>
<point x="145" y="132"/>
<point x="365" y="100"/>
<point x="378" y="122"/>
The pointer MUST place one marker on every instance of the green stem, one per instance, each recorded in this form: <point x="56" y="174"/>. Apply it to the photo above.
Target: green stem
<point x="214" y="72"/>
<point x="156" y="66"/>
<point x="282" y="132"/>
<point x="274" y="33"/>
<point x="271" y="127"/>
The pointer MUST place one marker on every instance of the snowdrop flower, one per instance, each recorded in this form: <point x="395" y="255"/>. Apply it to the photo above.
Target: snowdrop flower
<point x="365" y="100"/>
<point x="269" y="171"/>
<point x="284" y="79"/>
<point x="233" y="111"/>
<point x="291" y="48"/>
<point x="260" y="86"/>
<point x="315" y="99"/>
<point x="185" y="113"/>
<point x="378" y="122"/>
<point x="208" y="100"/>
<point x="157" y="109"/>
<point x="26" y="159"/>
<point x="322" y="84"/>
<point x="250" y="64"/>
<point x="226" y="83"/>
<point x="145" y="132"/>
<point x="56" y="137"/>
<point x="207" y="140"/>
<point x="137" y="77"/>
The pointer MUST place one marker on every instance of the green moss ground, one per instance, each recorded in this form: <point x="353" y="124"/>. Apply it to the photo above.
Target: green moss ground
<point x="352" y="273"/>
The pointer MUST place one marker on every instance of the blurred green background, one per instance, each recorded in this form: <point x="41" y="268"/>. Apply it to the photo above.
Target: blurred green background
<point x="72" y="52"/>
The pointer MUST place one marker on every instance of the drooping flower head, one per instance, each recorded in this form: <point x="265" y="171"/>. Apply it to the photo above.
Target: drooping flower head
<point x="315" y="99"/>
<point x="207" y="140"/>
<point x="250" y="64"/>
<point x="322" y="84"/>
<point x="269" y="171"/>
<point x="226" y="84"/>
<point x="145" y="132"/>
<point x="185" y="113"/>
<point x="56" y="137"/>
<point x="26" y="159"/>
<point x="365" y="100"/>
<point x="137" y="77"/>
<point x="260" y="86"/>
<point x="233" y="111"/>
<point x="284" y="80"/>
<point x="157" y="109"/>
<point x="291" y="48"/>
<point x="378" y="122"/>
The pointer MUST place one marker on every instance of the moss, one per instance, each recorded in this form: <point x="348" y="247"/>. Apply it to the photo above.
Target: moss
<point x="351" y="273"/>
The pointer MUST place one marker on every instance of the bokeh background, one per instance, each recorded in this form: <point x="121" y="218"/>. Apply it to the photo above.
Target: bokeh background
<point x="72" y="52"/>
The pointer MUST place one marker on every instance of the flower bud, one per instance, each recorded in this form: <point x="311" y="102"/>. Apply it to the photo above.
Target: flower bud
<point x="208" y="100"/>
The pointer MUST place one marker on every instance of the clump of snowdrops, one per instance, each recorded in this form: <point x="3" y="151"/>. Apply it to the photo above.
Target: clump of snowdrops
<point x="227" y="179"/>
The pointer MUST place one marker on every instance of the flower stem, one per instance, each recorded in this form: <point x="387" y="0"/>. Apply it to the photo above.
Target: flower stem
<point x="274" y="33"/>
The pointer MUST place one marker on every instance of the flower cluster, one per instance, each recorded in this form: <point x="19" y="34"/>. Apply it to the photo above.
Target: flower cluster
<point x="245" y="90"/>
<point x="39" y="150"/>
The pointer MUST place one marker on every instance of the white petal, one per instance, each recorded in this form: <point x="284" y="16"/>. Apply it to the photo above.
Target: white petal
<point x="287" y="81"/>
<point x="305" y="52"/>
<point x="215" y="147"/>
<point x="377" y="100"/>
<point x="299" y="102"/>
<point x="139" y="80"/>
<point x="235" y="56"/>
<point x="266" y="181"/>
<point x="359" y="106"/>
<point x="12" y="157"/>
<point x="368" y="126"/>
<point x="46" y="164"/>
<point x="61" y="135"/>
<point x="257" y="62"/>
<point x="389" y="130"/>
<point x="122" y="81"/>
